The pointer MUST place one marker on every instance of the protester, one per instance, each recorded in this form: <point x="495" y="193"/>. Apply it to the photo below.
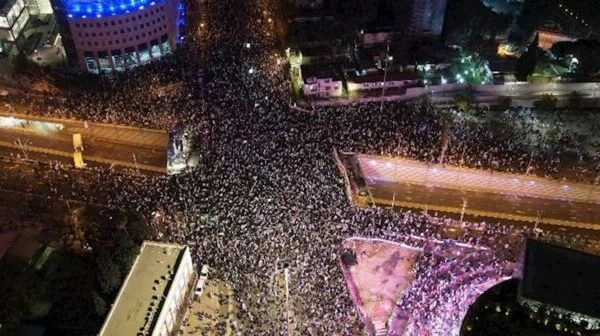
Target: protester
<point x="266" y="193"/>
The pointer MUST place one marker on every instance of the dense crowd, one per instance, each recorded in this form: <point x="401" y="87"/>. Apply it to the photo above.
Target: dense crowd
<point x="266" y="193"/>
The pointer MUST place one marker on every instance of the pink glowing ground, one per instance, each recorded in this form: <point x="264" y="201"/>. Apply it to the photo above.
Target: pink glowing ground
<point x="382" y="274"/>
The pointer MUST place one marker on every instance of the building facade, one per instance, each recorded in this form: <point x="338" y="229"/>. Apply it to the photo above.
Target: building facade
<point x="321" y="81"/>
<point x="104" y="36"/>
<point x="13" y="17"/>
<point x="379" y="80"/>
<point x="155" y="293"/>
<point x="427" y="19"/>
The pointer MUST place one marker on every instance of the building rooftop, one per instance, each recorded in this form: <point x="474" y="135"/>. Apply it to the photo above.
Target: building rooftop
<point x="89" y="9"/>
<point x="321" y="71"/>
<point x="561" y="277"/>
<point x="371" y="77"/>
<point x="142" y="295"/>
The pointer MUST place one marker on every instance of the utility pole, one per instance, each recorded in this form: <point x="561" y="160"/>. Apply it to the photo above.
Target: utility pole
<point x="287" y="298"/>
<point x="135" y="163"/>
<point x="23" y="149"/>
<point x="387" y="58"/>
<point x="462" y="211"/>
<point x="529" y="163"/>
<point x="537" y="231"/>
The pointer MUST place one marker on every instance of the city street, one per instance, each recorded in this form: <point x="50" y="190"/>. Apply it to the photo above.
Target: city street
<point x="408" y="183"/>
<point x="51" y="139"/>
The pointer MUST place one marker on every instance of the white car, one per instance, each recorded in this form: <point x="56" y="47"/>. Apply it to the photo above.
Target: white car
<point x="201" y="280"/>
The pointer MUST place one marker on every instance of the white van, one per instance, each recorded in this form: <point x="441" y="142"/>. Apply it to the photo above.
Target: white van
<point x="201" y="280"/>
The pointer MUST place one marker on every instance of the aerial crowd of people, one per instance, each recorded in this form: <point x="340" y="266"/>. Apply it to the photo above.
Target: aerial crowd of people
<point x="266" y="195"/>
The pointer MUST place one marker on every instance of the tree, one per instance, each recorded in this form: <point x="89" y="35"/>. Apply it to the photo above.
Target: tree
<point x="546" y="103"/>
<point x="575" y="101"/>
<point x="99" y="304"/>
<point x="587" y="53"/>
<point x="504" y="103"/>
<point x="109" y="276"/>
<point x="527" y="62"/>
<point x="472" y="25"/>
<point x="139" y="229"/>
<point x="354" y="14"/>
<point x="465" y="100"/>
<point x="125" y="251"/>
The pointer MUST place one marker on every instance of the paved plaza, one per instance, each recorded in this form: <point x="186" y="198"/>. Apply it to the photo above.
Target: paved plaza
<point x="212" y="313"/>
<point x="382" y="273"/>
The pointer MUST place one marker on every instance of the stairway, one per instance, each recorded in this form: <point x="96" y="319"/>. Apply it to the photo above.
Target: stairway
<point x="380" y="328"/>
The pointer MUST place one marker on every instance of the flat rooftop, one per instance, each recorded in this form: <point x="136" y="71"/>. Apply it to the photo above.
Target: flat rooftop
<point x="144" y="290"/>
<point x="562" y="277"/>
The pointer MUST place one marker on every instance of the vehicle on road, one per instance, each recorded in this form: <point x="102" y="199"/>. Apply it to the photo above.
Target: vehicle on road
<point x="78" y="160"/>
<point x="77" y="142"/>
<point x="201" y="280"/>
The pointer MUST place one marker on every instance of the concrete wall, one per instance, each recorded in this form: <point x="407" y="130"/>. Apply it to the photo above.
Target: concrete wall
<point x="176" y="296"/>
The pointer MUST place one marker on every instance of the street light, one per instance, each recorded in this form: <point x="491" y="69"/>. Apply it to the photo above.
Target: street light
<point x="387" y="58"/>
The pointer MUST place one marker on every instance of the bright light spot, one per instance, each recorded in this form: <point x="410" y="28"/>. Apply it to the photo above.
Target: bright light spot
<point x="373" y="162"/>
<point x="251" y="71"/>
<point x="444" y="81"/>
<point x="247" y="45"/>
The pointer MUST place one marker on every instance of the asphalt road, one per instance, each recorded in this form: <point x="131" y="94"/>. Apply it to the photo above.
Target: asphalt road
<point x="103" y="143"/>
<point x="489" y="202"/>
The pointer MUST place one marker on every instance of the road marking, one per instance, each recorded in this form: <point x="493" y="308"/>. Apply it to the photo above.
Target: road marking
<point x="69" y="155"/>
<point x="490" y="214"/>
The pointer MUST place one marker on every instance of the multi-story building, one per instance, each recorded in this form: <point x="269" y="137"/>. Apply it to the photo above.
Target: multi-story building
<point x="561" y="280"/>
<point x="103" y="36"/>
<point x="155" y="294"/>
<point x="378" y="80"/>
<point x="321" y="81"/>
<point x="427" y="18"/>
<point x="13" y="18"/>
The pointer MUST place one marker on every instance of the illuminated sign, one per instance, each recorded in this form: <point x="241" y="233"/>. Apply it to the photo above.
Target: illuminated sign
<point x="99" y="8"/>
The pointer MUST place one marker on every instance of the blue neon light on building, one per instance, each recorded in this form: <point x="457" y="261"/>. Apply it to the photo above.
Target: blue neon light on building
<point x="100" y="8"/>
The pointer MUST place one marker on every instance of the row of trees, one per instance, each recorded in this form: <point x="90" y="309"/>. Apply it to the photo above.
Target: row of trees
<point x="547" y="103"/>
<point x="90" y="281"/>
<point x="472" y="25"/>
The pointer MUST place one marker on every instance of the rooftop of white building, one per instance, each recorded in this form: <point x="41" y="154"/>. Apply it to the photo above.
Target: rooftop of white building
<point x="143" y="293"/>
